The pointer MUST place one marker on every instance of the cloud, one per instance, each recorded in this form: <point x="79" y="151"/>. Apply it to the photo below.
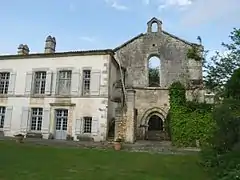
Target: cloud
<point x="88" y="39"/>
<point x="202" y="11"/>
<point x="162" y="4"/>
<point x="116" y="5"/>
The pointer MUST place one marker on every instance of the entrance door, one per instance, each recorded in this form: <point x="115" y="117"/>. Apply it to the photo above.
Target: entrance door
<point x="61" y="120"/>
<point x="155" y="128"/>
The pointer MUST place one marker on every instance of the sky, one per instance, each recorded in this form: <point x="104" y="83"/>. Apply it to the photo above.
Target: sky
<point x="106" y="24"/>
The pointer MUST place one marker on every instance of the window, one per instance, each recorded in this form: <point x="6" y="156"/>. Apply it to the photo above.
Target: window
<point x="4" y="82"/>
<point x="154" y="72"/>
<point x="87" y="125"/>
<point x="2" y="116"/>
<point x="36" y="119"/>
<point x="61" y="119"/>
<point x="39" y="82"/>
<point x="86" y="81"/>
<point x="64" y="82"/>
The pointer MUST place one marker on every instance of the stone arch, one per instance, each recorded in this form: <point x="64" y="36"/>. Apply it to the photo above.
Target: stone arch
<point x="154" y="27"/>
<point x="153" y="111"/>
<point x="161" y="117"/>
<point x="154" y="21"/>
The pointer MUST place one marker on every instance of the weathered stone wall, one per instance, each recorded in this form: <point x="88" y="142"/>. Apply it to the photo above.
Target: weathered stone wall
<point x="175" y="66"/>
<point x="148" y="101"/>
<point x="172" y="53"/>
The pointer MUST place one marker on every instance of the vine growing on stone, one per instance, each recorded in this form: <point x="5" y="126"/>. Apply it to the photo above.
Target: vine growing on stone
<point x="188" y="122"/>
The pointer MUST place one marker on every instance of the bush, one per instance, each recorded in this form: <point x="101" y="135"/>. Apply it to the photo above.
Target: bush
<point x="222" y="157"/>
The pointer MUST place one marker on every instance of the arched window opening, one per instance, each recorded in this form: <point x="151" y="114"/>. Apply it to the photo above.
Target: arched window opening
<point x="154" y="71"/>
<point x="155" y="123"/>
<point x="154" y="27"/>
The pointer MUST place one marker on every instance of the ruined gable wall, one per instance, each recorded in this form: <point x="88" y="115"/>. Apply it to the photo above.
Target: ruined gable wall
<point x="174" y="66"/>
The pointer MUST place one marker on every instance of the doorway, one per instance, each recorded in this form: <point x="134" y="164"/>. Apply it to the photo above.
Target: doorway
<point x="155" y="123"/>
<point x="155" y="130"/>
<point x="61" y="119"/>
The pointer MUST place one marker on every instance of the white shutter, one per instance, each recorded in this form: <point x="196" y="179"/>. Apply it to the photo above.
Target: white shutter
<point x="8" y="118"/>
<point x="81" y="125"/>
<point x="25" y="119"/>
<point x="78" y="126"/>
<point x="54" y="83"/>
<point x="48" y="86"/>
<point x="28" y="83"/>
<point x="95" y="126"/>
<point x="75" y="82"/>
<point x="12" y="82"/>
<point x="46" y="120"/>
<point x="95" y="82"/>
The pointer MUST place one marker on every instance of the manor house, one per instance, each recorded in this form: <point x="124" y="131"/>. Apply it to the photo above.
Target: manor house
<point x="95" y="94"/>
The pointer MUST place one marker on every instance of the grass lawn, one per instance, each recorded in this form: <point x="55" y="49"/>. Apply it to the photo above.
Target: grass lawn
<point x="29" y="162"/>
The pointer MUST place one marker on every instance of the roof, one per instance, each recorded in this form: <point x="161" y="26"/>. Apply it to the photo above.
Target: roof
<point x="142" y="34"/>
<point x="60" y="54"/>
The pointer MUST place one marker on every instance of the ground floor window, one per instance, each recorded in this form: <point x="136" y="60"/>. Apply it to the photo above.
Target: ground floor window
<point x="87" y="128"/>
<point x="2" y="116"/>
<point x="36" y="119"/>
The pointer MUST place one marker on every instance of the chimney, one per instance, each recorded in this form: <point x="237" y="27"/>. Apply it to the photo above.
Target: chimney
<point x="50" y="45"/>
<point x="23" y="49"/>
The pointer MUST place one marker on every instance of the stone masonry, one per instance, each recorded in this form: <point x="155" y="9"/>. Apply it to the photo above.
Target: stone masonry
<point x="134" y="56"/>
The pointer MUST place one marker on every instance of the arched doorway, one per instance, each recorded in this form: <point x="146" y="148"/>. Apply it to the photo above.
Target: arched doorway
<point x="155" y="130"/>
<point x="155" y="123"/>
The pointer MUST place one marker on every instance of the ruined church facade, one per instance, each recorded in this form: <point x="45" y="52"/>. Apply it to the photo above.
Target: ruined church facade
<point x="147" y="107"/>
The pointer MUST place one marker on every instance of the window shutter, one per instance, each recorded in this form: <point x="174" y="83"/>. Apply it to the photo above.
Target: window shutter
<point x="8" y="118"/>
<point x="48" y="86"/>
<point x="28" y="83"/>
<point x="25" y="119"/>
<point x="95" y="82"/>
<point x="95" y="126"/>
<point x="54" y="82"/>
<point x="75" y="82"/>
<point x="78" y="126"/>
<point x="12" y="82"/>
<point x="46" y="120"/>
<point x="81" y="126"/>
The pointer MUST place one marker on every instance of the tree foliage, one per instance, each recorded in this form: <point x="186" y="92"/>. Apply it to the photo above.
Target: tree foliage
<point x="221" y="66"/>
<point x="222" y="156"/>
<point x="154" y="77"/>
<point x="233" y="86"/>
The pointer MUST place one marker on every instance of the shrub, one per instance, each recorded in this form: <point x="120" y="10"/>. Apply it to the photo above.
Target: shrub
<point x="222" y="157"/>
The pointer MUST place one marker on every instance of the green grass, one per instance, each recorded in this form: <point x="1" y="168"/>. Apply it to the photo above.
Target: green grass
<point x="29" y="162"/>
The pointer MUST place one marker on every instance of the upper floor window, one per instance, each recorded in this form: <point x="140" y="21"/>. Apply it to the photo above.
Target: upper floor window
<point x="4" y="82"/>
<point x="64" y="82"/>
<point x="36" y="119"/>
<point x="86" y="81"/>
<point x="154" y="72"/>
<point x="39" y="82"/>
<point x="2" y="116"/>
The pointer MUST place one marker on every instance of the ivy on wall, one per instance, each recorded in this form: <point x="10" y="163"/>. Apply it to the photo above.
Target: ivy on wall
<point x="193" y="53"/>
<point x="188" y="122"/>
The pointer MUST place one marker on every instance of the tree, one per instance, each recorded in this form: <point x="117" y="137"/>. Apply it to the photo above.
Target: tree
<point x="233" y="86"/>
<point x="154" y="77"/>
<point x="221" y="67"/>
